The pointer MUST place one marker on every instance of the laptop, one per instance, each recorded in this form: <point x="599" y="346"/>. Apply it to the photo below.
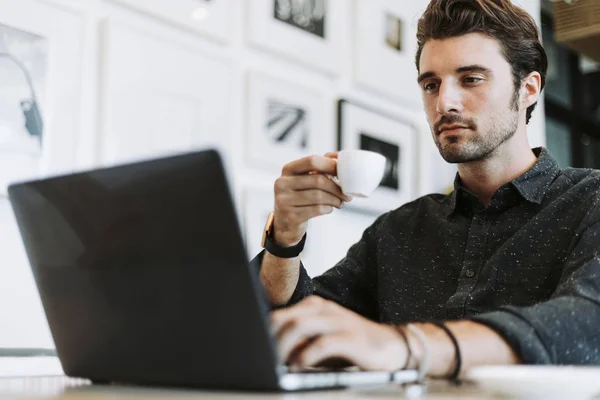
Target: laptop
<point x="144" y="279"/>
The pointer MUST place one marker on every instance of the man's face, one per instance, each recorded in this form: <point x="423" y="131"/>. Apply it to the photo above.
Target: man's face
<point x="468" y="95"/>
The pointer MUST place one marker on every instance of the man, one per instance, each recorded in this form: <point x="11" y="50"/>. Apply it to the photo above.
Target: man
<point x="508" y="260"/>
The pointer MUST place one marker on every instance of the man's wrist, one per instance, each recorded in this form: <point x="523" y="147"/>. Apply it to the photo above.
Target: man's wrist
<point x="283" y="240"/>
<point x="401" y="331"/>
<point x="441" y="348"/>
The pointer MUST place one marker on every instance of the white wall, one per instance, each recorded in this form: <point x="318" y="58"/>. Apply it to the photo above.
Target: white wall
<point x="124" y="85"/>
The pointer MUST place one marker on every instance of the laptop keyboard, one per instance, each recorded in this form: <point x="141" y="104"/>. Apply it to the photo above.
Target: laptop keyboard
<point x="316" y="378"/>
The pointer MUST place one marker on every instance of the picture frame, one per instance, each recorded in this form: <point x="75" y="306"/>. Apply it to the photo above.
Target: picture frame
<point x="55" y="73"/>
<point x="310" y="31"/>
<point x="23" y="77"/>
<point x="211" y="18"/>
<point x="385" y="48"/>
<point x="41" y="47"/>
<point x="435" y="174"/>
<point x="258" y="202"/>
<point x="154" y="101"/>
<point x="365" y="128"/>
<point x="285" y="121"/>
<point x="328" y="236"/>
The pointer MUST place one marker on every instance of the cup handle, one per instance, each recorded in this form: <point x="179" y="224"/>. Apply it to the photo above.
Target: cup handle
<point x="334" y="179"/>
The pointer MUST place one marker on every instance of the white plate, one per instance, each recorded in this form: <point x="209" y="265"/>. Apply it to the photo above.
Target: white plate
<point x="539" y="382"/>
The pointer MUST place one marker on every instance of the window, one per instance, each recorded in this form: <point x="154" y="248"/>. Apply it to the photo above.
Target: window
<point x="572" y="101"/>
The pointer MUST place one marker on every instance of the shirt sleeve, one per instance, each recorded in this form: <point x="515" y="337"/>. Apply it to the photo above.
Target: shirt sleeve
<point x="304" y="288"/>
<point x="352" y="282"/>
<point x="566" y="328"/>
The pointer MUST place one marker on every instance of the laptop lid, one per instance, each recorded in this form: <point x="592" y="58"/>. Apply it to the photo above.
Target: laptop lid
<point x="130" y="263"/>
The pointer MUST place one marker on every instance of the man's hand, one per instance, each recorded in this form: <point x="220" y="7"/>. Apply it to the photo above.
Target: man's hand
<point x="316" y="330"/>
<point x="303" y="192"/>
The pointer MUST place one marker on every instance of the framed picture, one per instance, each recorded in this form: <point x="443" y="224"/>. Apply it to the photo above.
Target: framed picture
<point x="328" y="237"/>
<point x="310" y="31"/>
<point x="41" y="52"/>
<point x="161" y="97"/>
<point x="40" y="58"/>
<point x="258" y="203"/>
<point x="367" y="129"/>
<point x="209" y="17"/>
<point x="23" y="76"/>
<point x="286" y="121"/>
<point x="435" y="174"/>
<point x="385" y="40"/>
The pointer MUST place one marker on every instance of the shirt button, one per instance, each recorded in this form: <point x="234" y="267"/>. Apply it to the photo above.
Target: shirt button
<point x="470" y="273"/>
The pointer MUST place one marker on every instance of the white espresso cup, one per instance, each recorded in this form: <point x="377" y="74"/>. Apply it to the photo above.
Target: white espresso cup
<point x="359" y="172"/>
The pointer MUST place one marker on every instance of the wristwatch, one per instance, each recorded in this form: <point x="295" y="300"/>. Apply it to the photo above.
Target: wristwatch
<point x="278" y="251"/>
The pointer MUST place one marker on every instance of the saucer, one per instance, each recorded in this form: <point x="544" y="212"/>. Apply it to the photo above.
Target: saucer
<point x="538" y="382"/>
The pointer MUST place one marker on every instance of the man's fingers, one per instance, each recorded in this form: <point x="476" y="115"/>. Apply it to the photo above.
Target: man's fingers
<point x="310" y="198"/>
<point x="333" y="155"/>
<point x="308" y="212"/>
<point x="291" y="333"/>
<point x="307" y="182"/>
<point x="312" y="305"/>
<point x="335" y="345"/>
<point x="297" y="331"/>
<point x="321" y="164"/>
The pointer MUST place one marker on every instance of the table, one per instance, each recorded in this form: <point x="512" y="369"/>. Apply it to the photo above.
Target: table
<point x="62" y="388"/>
<point x="43" y="378"/>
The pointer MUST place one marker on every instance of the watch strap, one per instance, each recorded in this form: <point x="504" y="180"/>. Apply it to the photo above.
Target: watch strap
<point x="284" y="252"/>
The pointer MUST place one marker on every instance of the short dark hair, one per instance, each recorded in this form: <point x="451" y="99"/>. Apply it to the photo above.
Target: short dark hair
<point x="513" y="28"/>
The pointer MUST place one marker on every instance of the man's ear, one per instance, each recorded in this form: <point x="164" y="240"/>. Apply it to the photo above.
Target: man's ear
<point x="531" y="89"/>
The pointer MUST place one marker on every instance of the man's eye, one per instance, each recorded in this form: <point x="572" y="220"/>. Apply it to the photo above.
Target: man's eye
<point x="430" y="86"/>
<point x="472" y="79"/>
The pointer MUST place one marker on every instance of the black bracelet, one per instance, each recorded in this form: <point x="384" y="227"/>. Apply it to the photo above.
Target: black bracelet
<point x="405" y="338"/>
<point x="457" y="367"/>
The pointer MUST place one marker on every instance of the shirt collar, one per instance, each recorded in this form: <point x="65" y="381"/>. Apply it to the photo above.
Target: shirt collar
<point x="531" y="185"/>
<point x="534" y="183"/>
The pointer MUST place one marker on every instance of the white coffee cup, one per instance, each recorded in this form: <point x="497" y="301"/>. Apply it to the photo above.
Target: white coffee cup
<point x="359" y="172"/>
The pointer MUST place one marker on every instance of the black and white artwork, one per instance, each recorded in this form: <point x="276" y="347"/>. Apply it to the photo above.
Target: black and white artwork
<point x="23" y="69"/>
<point x="311" y="32"/>
<point x="287" y="123"/>
<point x="393" y="32"/>
<point x="391" y="152"/>
<point x="308" y="15"/>
<point x="366" y="128"/>
<point x="320" y="252"/>
<point x="384" y="48"/>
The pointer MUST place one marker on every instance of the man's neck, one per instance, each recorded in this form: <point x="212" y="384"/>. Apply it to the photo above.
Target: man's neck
<point x="508" y="162"/>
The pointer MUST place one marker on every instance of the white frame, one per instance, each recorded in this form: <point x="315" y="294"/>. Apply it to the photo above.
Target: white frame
<point x="377" y="66"/>
<point x="328" y="236"/>
<point x="261" y="151"/>
<point x="61" y="106"/>
<point x="257" y="203"/>
<point x="22" y="312"/>
<point x="217" y="25"/>
<point x="435" y="174"/>
<point x="284" y="39"/>
<point x="354" y="119"/>
<point x="140" y="72"/>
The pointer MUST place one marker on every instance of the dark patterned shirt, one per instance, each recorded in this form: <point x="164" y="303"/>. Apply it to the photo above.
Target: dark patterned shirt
<point x="527" y="265"/>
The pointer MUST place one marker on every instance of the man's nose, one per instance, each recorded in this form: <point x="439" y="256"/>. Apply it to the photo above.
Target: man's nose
<point x="449" y="99"/>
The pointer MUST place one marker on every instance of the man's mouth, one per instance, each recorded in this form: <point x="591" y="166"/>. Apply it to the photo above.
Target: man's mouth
<point x="451" y="129"/>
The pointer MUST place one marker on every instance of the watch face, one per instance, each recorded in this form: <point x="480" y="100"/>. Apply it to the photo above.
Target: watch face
<point x="267" y="230"/>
